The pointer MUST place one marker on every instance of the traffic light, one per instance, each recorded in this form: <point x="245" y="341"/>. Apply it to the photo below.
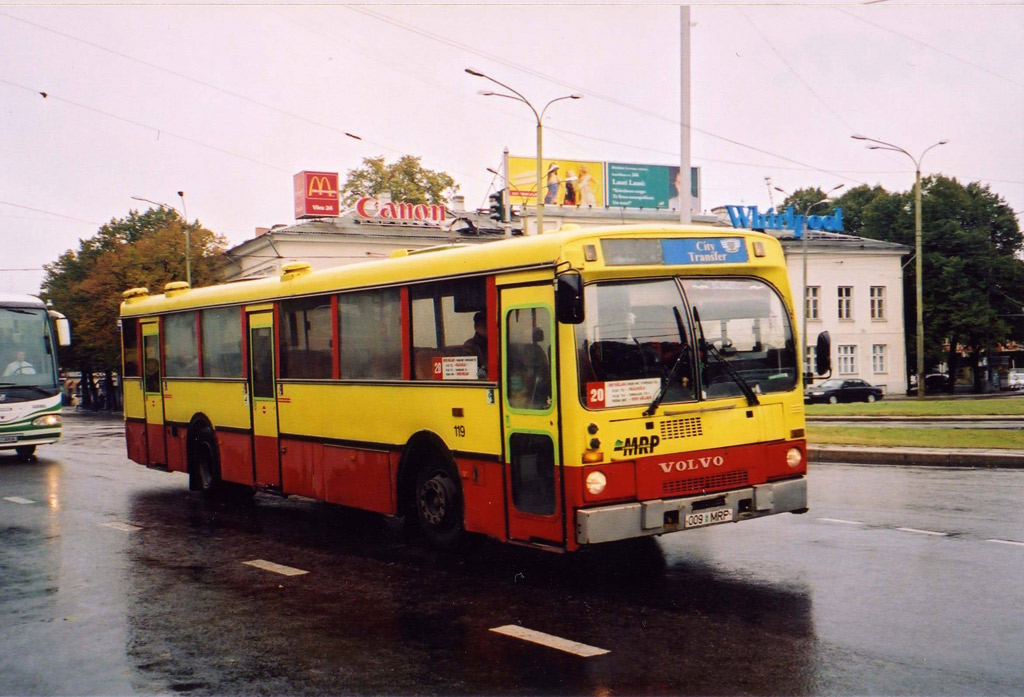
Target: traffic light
<point x="497" y="206"/>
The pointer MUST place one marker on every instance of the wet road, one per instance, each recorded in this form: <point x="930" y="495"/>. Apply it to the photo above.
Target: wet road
<point x="115" y="579"/>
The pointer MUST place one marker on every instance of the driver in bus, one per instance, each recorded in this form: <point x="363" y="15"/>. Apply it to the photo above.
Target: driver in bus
<point x="19" y="366"/>
<point x="477" y="344"/>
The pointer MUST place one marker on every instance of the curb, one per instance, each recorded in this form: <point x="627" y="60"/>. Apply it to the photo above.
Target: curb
<point x="1013" y="418"/>
<point x="918" y="457"/>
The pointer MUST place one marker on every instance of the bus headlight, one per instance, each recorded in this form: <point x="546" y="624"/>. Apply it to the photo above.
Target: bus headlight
<point x="596" y="482"/>
<point x="794" y="457"/>
<point x="47" y="420"/>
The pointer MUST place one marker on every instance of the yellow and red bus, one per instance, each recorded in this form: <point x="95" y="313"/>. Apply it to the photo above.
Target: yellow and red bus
<point x="557" y="391"/>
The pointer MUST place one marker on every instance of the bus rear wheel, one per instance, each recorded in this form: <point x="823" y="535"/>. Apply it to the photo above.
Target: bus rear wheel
<point x="439" y="508"/>
<point x="204" y="461"/>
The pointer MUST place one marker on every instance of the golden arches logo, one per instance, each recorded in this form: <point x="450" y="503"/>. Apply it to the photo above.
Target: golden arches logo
<point x="320" y="187"/>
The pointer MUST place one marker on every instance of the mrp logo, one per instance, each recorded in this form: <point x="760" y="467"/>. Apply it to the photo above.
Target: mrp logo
<point x="694" y="463"/>
<point x="788" y="220"/>
<point x="641" y="445"/>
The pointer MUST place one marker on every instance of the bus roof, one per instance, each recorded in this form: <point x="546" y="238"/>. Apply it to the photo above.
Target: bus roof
<point x="19" y="300"/>
<point x="536" y="251"/>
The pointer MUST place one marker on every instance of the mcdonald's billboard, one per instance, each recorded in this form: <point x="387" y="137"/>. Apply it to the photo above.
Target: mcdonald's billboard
<point x="316" y="195"/>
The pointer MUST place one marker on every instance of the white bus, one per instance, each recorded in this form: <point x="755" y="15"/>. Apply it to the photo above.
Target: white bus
<point x="30" y="390"/>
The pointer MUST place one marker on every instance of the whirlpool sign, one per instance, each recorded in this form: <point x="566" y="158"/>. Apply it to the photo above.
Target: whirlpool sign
<point x="751" y="218"/>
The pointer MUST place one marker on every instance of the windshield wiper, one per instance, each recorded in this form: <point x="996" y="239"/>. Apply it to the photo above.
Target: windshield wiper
<point x="733" y="373"/>
<point x="673" y="374"/>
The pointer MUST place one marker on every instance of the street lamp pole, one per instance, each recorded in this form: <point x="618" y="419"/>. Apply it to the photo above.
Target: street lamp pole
<point x="918" y="283"/>
<point x="188" y="261"/>
<point x="803" y="245"/>
<point x="540" y="131"/>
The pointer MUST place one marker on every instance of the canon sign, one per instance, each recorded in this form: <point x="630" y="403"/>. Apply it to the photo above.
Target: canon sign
<point x="369" y="207"/>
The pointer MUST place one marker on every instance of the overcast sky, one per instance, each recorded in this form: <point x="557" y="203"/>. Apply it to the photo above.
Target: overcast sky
<point x="226" y="103"/>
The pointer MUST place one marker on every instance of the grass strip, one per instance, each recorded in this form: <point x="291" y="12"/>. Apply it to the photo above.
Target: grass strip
<point x="916" y="437"/>
<point x="1008" y="406"/>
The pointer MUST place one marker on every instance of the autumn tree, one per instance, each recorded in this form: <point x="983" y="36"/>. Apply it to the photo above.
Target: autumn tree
<point x="142" y="249"/>
<point x="406" y="180"/>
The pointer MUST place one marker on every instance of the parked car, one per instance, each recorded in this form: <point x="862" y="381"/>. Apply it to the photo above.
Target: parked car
<point x="1015" y="379"/>
<point x="833" y="391"/>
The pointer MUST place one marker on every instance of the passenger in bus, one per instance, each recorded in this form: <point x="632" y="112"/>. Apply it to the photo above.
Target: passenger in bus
<point x="19" y="366"/>
<point x="476" y="345"/>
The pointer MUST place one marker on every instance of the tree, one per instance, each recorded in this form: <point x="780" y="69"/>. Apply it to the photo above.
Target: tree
<point x="142" y="249"/>
<point x="971" y="244"/>
<point x="801" y="199"/>
<point x="406" y="180"/>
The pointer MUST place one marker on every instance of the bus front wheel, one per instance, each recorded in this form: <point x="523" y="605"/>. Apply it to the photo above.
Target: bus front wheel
<point x="25" y="452"/>
<point x="439" y="504"/>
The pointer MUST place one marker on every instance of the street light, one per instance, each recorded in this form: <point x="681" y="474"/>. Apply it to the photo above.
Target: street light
<point x="804" y="235"/>
<point x="188" y="258"/>
<point x="540" y="137"/>
<point x="918" y="285"/>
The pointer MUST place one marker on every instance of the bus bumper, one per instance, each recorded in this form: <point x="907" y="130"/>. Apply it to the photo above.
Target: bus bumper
<point x="657" y="517"/>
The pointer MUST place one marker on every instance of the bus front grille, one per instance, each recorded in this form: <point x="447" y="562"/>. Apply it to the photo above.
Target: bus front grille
<point x="709" y="482"/>
<point x="681" y="428"/>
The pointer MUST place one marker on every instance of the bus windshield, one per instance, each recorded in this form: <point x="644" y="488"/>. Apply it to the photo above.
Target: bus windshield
<point x="636" y="334"/>
<point x="26" y="362"/>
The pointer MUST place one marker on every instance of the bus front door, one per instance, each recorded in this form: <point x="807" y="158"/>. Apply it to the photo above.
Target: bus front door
<point x="156" y="444"/>
<point x="263" y="400"/>
<point x="533" y="477"/>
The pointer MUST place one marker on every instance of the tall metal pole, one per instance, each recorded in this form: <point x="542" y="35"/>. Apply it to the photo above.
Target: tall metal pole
<point x="541" y="190"/>
<point x="684" y="114"/>
<point x="919" y="286"/>
<point x="918" y="262"/>
<point x="188" y="245"/>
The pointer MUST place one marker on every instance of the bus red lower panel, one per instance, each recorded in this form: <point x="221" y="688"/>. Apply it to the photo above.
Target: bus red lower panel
<point x="235" y="457"/>
<point x="301" y="470"/>
<point x="156" y="452"/>
<point x="484" y="497"/>
<point x="358" y="478"/>
<point x="135" y="439"/>
<point x="268" y="466"/>
<point x="177" y="460"/>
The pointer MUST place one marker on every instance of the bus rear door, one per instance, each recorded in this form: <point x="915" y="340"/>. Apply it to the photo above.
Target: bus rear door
<point x="263" y="399"/>
<point x="533" y="477"/>
<point x="156" y="444"/>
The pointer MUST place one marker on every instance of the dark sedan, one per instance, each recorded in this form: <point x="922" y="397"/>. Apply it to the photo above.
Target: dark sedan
<point x="834" y="391"/>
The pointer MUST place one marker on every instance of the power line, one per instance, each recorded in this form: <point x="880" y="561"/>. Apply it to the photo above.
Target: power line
<point x="58" y="215"/>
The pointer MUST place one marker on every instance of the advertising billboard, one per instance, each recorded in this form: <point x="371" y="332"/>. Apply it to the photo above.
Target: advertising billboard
<point x="565" y="182"/>
<point x="650" y="186"/>
<point x="316" y="195"/>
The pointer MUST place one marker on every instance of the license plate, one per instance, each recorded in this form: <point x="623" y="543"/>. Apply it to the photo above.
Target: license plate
<point x="8" y="439"/>
<point x="709" y="517"/>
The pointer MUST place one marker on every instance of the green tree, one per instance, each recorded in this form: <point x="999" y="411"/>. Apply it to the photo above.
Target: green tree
<point x="142" y="249"/>
<point x="971" y="265"/>
<point x="801" y="199"/>
<point x="406" y="180"/>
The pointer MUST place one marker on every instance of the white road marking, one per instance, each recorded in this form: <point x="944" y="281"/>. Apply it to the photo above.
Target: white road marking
<point x="841" y="521"/>
<point x="124" y="527"/>
<point x="1007" y="542"/>
<point x="924" y="532"/>
<point x="551" y="641"/>
<point x="276" y="568"/>
<point x="17" y="499"/>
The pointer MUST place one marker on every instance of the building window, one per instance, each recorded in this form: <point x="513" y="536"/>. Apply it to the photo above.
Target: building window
<point x="845" y="302"/>
<point x="877" y="302"/>
<point x="847" y="359"/>
<point x="809" y="356"/>
<point x="878" y="358"/>
<point x="813" y="293"/>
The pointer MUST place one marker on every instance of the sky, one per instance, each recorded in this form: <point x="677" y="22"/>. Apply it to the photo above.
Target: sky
<point x="226" y="103"/>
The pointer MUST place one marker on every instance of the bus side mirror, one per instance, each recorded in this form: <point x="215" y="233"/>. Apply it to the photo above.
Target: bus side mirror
<point x="569" y="297"/>
<point x="823" y="354"/>
<point x="63" y="327"/>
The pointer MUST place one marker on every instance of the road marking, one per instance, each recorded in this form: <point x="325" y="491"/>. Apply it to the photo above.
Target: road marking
<point x="840" y="521"/>
<point x="17" y="499"/>
<point x="124" y="527"/>
<point x="924" y="532"/>
<point x="549" y="640"/>
<point x="276" y="568"/>
<point x="1007" y="542"/>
